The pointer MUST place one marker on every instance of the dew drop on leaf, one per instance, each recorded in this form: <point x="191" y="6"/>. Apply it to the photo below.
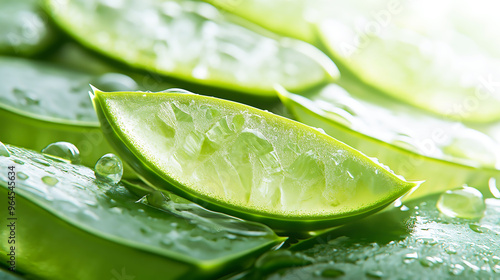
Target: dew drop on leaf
<point x="331" y="273"/>
<point x="465" y="202"/>
<point x="109" y="168"/>
<point x="49" y="180"/>
<point x="22" y="176"/>
<point x="63" y="150"/>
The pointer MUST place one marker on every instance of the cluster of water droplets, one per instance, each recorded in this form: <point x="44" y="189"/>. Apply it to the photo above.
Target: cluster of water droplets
<point x="109" y="168"/>
<point x="72" y="191"/>
<point x="210" y="221"/>
<point x="434" y="245"/>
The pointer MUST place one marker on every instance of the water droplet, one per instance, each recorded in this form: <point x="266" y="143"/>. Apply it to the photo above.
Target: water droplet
<point x="166" y="242"/>
<point x="411" y="257"/>
<point x="376" y="274"/>
<point x="31" y="100"/>
<point x="145" y="230"/>
<point x="428" y="241"/>
<point x="90" y="203"/>
<point x="340" y="116"/>
<point x="322" y="131"/>
<point x="430" y="261"/>
<point x="472" y="266"/>
<point x="477" y="228"/>
<point x="116" y="210"/>
<point x="450" y="249"/>
<point x="4" y="152"/>
<point x="405" y="142"/>
<point x="456" y="269"/>
<point x="465" y="202"/>
<point x="177" y="90"/>
<point x="157" y="199"/>
<point x="330" y="273"/>
<point x="22" y="176"/>
<point x="115" y="82"/>
<point x="63" y="150"/>
<point x="18" y="92"/>
<point x="88" y="215"/>
<point x="109" y="168"/>
<point x="398" y="202"/>
<point x="41" y="161"/>
<point x="496" y="268"/>
<point x="49" y="180"/>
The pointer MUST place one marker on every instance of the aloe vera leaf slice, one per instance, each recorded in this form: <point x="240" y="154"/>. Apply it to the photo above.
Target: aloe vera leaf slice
<point x="245" y="161"/>
<point x="68" y="208"/>
<point x="25" y="28"/>
<point x="416" y="144"/>
<point x="417" y="242"/>
<point x="443" y="62"/>
<point x="192" y="41"/>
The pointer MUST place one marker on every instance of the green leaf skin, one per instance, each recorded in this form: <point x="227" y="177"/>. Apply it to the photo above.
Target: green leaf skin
<point x="71" y="226"/>
<point x="25" y="30"/>
<point x="225" y="154"/>
<point x="42" y="103"/>
<point x="193" y="42"/>
<point x="416" y="243"/>
<point x="416" y="144"/>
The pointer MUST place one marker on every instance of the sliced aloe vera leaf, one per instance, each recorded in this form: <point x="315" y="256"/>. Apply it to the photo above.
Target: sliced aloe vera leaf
<point x="244" y="161"/>
<point x="414" y="243"/>
<point x="81" y="218"/>
<point x="289" y="18"/>
<point x="25" y="28"/>
<point x="41" y="104"/>
<point x="416" y="144"/>
<point x="444" y="62"/>
<point x="192" y="41"/>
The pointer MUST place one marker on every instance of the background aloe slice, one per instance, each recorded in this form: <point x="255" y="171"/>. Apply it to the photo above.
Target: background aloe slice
<point x="414" y="143"/>
<point x="95" y="230"/>
<point x="412" y="243"/>
<point x="235" y="158"/>
<point x="192" y="41"/>
<point x="445" y="62"/>
<point x="42" y="103"/>
<point x="24" y="28"/>
<point x="294" y="18"/>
